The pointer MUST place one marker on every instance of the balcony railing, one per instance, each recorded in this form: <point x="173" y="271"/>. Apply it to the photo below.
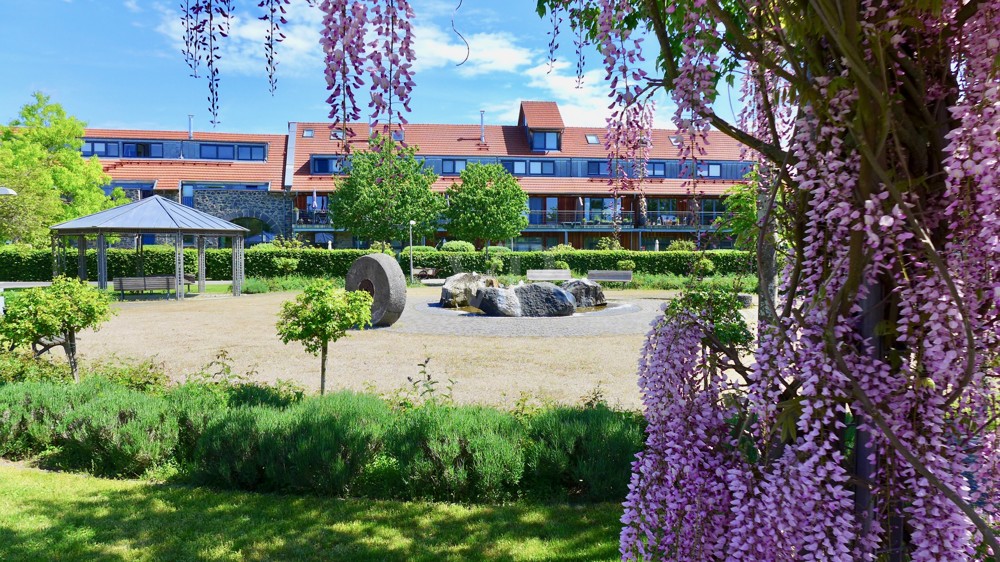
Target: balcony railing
<point x="627" y="219"/>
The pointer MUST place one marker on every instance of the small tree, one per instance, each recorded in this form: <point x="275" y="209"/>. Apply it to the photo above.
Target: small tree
<point x="56" y="313"/>
<point x="323" y="314"/>
<point x="489" y="204"/>
<point x="387" y="188"/>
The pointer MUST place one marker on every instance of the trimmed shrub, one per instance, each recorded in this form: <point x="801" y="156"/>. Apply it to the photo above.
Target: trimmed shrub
<point x="286" y="266"/>
<point x="561" y="248"/>
<point x="681" y="246"/>
<point x="458" y="246"/>
<point x="703" y="268"/>
<point x="233" y="444"/>
<point x="459" y="453"/>
<point x="194" y="406"/>
<point x="625" y="265"/>
<point x="29" y="415"/>
<point x="582" y="454"/>
<point x="417" y="250"/>
<point x="608" y="243"/>
<point x="560" y="264"/>
<point x="382" y="248"/>
<point x="498" y="250"/>
<point x="122" y="433"/>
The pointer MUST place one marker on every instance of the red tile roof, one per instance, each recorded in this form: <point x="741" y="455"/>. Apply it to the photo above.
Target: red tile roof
<point x="168" y="174"/>
<point x="540" y="115"/>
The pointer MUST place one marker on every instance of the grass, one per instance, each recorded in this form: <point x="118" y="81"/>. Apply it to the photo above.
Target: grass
<point x="58" y="516"/>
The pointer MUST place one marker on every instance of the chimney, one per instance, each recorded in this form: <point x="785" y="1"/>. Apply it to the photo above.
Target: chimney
<point x="482" y="126"/>
<point x="190" y="126"/>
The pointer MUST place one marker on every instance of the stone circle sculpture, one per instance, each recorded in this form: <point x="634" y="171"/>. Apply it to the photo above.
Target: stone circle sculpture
<point x="381" y="276"/>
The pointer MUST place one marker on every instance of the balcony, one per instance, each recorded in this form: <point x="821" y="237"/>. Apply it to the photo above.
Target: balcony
<point x="561" y="220"/>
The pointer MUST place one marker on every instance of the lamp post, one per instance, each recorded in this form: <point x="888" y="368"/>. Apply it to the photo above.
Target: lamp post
<point x="411" y="250"/>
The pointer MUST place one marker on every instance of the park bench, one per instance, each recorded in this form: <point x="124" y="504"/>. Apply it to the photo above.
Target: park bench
<point x="620" y="276"/>
<point x="549" y="275"/>
<point x="149" y="283"/>
<point x="425" y="272"/>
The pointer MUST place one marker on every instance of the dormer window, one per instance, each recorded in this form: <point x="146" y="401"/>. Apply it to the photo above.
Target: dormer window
<point x="337" y="134"/>
<point x="544" y="140"/>
<point x="308" y="133"/>
<point x="397" y="136"/>
<point x="676" y="140"/>
<point x="593" y="139"/>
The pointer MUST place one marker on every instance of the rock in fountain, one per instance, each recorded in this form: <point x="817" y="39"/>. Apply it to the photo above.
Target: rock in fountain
<point x="587" y="293"/>
<point x="459" y="289"/>
<point x="533" y="299"/>
<point x="498" y="301"/>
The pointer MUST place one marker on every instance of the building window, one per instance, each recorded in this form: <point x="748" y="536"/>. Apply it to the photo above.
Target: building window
<point x="337" y="134"/>
<point x="597" y="168"/>
<point x="593" y="139"/>
<point x="100" y="148"/>
<point x="397" y="136"/>
<point x="142" y="150"/>
<point x="710" y="170"/>
<point x="541" y="168"/>
<point x="452" y="166"/>
<point x="249" y="152"/>
<point x="544" y="140"/>
<point x="308" y="133"/>
<point x="325" y="165"/>
<point x="656" y="169"/>
<point x="217" y="151"/>
<point x="515" y="167"/>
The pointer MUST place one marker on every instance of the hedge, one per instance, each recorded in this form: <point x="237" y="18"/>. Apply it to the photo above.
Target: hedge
<point x="341" y="444"/>
<point x="20" y="264"/>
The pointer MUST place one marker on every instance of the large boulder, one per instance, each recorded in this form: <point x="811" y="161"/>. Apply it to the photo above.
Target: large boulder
<point x="544" y="299"/>
<point x="459" y="289"/>
<point x="495" y="301"/>
<point x="587" y="293"/>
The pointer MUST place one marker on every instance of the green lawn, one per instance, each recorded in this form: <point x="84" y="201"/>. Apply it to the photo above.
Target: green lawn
<point x="57" y="516"/>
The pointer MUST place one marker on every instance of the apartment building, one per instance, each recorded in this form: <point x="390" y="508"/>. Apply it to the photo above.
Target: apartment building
<point x="280" y="184"/>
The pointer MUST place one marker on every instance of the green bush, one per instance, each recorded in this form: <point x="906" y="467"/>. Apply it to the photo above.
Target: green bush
<point x="495" y="266"/>
<point x="417" y="250"/>
<point x="255" y="286"/>
<point x="458" y="246"/>
<point x="29" y="416"/>
<point x="625" y="265"/>
<point x="122" y="433"/>
<point x="21" y="366"/>
<point x="703" y="268"/>
<point x="581" y="454"/>
<point x="232" y="445"/>
<point x="195" y="406"/>
<point x="286" y="266"/>
<point x="459" y="453"/>
<point x="681" y="246"/>
<point x="561" y="248"/>
<point x="145" y="375"/>
<point x="498" y="250"/>
<point x="382" y="248"/>
<point x="560" y="264"/>
<point x="608" y="243"/>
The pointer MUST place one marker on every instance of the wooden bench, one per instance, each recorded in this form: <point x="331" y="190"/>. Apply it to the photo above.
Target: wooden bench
<point x="149" y="283"/>
<point x="619" y="276"/>
<point x="549" y="275"/>
<point x="425" y="272"/>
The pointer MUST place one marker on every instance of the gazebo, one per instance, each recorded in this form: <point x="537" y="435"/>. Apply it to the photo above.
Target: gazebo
<point x="155" y="215"/>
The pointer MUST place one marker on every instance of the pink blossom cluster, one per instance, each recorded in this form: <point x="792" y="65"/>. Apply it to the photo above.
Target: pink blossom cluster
<point x="890" y="325"/>
<point x="351" y="57"/>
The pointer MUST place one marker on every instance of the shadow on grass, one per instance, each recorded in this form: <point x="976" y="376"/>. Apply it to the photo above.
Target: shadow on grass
<point x="70" y="517"/>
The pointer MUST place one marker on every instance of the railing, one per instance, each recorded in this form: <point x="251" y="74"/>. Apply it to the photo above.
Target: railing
<point x="312" y="217"/>
<point x="653" y="220"/>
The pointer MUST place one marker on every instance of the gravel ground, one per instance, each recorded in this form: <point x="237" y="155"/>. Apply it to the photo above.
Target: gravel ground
<point x="491" y="360"/>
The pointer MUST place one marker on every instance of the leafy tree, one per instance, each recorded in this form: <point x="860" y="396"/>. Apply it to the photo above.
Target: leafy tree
<point x="40" y="159"/>
<point x="487" y="205"/>
<point x="741" y="215"/>
<point x="55" y="314"/>
<point x="323" y="314"/>
<point x="386" y="188"/>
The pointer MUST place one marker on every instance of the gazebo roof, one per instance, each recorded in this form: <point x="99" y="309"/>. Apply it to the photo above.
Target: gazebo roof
<point x="151" y="215"/>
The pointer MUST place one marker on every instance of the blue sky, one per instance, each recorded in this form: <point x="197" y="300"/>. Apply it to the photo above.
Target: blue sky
<point x="117" y="64"/>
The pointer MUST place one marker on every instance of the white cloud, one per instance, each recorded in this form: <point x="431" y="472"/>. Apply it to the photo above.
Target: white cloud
<point x="487" y="52"/>
<point x="242" y="51"/>
<point x="133" y="6"/>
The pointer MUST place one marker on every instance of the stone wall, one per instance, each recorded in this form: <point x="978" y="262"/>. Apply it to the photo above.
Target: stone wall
<point x="275" y="209"/>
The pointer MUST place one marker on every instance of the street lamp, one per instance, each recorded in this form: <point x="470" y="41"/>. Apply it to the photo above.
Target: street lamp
<point x="411" y="250"/>
<point x="7" y="191"/>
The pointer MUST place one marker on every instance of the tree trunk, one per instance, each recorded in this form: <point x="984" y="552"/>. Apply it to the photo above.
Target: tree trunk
<point x="767" y="273"/>
<point x="322" y="370"/>
<point x="70" y="347"/>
